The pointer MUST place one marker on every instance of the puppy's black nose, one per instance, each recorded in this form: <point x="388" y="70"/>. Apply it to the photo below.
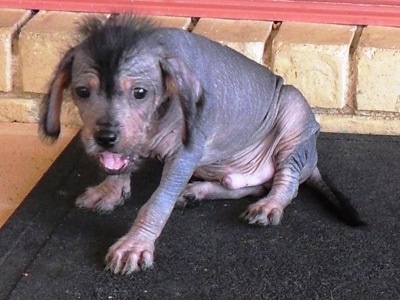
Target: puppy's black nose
<point x="106" y="138"/>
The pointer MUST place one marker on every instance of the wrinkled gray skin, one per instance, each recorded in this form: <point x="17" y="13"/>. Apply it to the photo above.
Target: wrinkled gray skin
<point x="208" y="112"/>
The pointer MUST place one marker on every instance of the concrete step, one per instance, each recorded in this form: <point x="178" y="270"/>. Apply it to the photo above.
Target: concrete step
<point x="24" y="159"/>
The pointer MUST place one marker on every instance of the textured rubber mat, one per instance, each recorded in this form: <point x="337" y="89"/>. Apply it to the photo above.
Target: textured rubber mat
<point x="51" y="250"/>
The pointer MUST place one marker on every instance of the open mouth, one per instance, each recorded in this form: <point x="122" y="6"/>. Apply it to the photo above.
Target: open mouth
<point x="114" y="162"/>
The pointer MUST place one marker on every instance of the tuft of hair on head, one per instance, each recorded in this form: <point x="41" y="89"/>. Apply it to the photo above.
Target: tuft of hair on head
<point x="132" y="23"/>
<point x="108" y="40"/>
<point x="91" y="24"/>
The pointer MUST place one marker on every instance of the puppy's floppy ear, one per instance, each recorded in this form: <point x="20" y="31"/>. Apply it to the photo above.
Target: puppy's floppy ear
<point x="50" y="108"/>
<point x="183" y="85"/>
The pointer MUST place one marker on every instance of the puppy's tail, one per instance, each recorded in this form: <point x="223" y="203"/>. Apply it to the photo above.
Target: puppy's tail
<point x="335" y="200"/>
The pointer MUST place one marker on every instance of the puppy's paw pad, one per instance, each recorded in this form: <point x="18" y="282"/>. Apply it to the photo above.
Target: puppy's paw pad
<point x="125" y="258"/>
<point x="269" y="213"/>
<point x="188" y="200"/>
<point x="192" y="195"/>
<point x="96" y="199"/>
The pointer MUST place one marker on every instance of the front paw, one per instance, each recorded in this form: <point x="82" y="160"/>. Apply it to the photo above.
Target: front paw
<point x="105" y="196"/>
<point x="129" y="255"/>
<point x="263" y="213"/>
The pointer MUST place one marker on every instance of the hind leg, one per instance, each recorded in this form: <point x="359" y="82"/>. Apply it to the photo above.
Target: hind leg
<point x="199" y="190"/>
<point x="292" y="169"/>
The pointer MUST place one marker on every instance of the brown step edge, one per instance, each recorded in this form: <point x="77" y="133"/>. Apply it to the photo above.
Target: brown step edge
<point x="24" y="159"/>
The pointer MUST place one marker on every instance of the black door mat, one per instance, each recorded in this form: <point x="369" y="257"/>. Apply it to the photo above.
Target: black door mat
<point x="51" y="250"/>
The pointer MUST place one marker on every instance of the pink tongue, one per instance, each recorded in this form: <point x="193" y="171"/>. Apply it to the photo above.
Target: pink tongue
<point x="113" y="161"/>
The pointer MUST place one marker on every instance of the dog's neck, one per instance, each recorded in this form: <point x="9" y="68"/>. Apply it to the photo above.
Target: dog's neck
<point x="165" y="133"/>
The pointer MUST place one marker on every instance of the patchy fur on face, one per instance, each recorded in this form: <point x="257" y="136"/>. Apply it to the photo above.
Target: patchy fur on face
<point x="107" y="44"/>
<point x="135" y="98"/>
<point x="120" y="92"/>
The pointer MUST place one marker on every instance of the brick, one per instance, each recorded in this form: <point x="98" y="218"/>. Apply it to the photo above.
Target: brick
<point x="19" y="110"/>
<point x="26" y="110"/>
<point x="175" y="22"/>
<point x="43" y="41"/>
<point x="246" y="37"/>
<point x="378" y="69"/>
<point x="10" y="21"/>
<point x="359" y="124"/>
<point x="315" y="59"/>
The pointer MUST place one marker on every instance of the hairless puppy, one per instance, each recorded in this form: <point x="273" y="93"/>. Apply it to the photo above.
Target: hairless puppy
<point x="205" y="110"/>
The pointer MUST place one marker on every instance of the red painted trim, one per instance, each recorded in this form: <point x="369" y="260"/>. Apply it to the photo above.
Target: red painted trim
<point x="360" y="12"/>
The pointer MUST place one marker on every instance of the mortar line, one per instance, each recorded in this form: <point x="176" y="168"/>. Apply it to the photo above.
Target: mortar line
<point x="268" y="55"/>
<point x="351" y="97"/>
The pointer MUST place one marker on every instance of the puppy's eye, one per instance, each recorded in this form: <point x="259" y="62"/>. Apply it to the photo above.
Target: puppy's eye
<point x="139" y="93"/>
<point x="82" y="92"/>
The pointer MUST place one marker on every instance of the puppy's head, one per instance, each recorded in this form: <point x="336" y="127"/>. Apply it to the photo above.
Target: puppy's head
<point x="130" y="93"/>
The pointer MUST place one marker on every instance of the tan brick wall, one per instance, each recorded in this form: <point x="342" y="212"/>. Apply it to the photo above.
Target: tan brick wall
<point x="315" y="59"/>
<point x="378" y="61"/>
<point x="246" y="37"/>
<point x="42" y="42"/>
<point x="174" y="22"/>
<point x="349" y="75"/>
<point x="10" y="21"/>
